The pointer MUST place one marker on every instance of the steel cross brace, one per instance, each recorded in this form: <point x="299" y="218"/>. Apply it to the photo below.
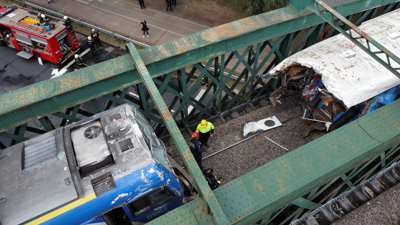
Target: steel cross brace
<point x="363" y="36"/>
<point x="201" y="184"/>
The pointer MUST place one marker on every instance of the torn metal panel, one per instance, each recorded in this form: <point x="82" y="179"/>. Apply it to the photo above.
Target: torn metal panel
<point x="351" y="79"/>
<point x="261" y="125"/>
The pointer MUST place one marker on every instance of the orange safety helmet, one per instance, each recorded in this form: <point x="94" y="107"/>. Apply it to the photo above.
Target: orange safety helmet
<point x="195" y="134"/>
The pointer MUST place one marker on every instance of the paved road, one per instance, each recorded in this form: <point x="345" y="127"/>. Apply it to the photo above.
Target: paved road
<point x="124" y="17"/>
<point x="17" y="72"/>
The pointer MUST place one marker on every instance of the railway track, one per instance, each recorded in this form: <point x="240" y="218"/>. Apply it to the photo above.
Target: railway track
<point x="250" y="154"/>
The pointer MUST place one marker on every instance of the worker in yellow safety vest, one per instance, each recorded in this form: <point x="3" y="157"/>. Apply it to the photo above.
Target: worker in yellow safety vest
<point x="205" y="130"/>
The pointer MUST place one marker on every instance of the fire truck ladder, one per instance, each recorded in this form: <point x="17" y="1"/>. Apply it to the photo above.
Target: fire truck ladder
<point x="42" y="30"/>
<point x="73" y="38"/>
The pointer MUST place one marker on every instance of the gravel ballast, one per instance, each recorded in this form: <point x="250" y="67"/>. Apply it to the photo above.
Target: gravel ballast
<point x="251" y="154"/>
<point x="379" y="211"/>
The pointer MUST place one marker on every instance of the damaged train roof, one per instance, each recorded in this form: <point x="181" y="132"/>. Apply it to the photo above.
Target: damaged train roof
<point x="37" y="174"/>
<point x="347" y="71"/>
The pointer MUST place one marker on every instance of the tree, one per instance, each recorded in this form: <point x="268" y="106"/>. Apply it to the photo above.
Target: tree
<point x="255" y="7"/>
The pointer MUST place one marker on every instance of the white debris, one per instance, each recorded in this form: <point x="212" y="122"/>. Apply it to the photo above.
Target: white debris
<point x="253" y="127"/>
<point x="57" y="73"/>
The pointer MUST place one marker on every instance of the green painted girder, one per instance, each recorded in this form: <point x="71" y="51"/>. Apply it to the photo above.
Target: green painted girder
<point x="202" y="186"/>
<point x="47" y="97"/>
<point x="359" y="172"/>
<point x="283" y="181"/>
<point x="289" y="177"/>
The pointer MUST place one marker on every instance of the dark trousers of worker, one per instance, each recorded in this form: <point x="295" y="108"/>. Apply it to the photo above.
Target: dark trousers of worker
<point x="142" y="4"/>
<point x="203" y="137"/>
<point x="97" y="42"/>
<point x="92" y="48"/>
<point x="170" y="7"/>
<point x="199" y="159"/>
<point x="145" y="31"/>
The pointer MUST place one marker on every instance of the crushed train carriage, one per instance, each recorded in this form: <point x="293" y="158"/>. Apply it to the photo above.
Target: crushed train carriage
<point x="338" y="81"/>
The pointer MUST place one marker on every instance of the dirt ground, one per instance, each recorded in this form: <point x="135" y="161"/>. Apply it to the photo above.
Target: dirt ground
<point x="206" y="12"/>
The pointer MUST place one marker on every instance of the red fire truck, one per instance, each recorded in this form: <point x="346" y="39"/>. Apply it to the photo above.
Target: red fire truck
<point x="19" y="29"/>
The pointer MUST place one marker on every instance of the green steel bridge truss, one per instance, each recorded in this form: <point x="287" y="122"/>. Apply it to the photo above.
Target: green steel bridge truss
<point x="306" y="178"/>
<point x="290" y="185"/>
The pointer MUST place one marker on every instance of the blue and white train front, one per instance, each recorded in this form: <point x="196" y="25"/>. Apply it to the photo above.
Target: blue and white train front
<point x="120" y="170"/>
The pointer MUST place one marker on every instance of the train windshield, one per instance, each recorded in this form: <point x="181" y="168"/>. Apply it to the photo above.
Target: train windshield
<point x="154" y="199"/>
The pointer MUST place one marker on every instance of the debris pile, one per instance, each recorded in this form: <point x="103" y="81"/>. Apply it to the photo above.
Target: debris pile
<point x="322" y="110"/>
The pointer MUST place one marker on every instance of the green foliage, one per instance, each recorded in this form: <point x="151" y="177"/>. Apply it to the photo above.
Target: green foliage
<point x="255" y="7"/>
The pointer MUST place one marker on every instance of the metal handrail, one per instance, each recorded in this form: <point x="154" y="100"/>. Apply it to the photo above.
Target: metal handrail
<point x="84" y="24"/>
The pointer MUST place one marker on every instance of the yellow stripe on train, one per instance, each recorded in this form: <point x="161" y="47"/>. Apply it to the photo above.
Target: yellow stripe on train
<point x="62" y="209"/>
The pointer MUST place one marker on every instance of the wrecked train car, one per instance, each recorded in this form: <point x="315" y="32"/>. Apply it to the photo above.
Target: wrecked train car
<point x="107" y="169"/>
<point x="338" y="81"/>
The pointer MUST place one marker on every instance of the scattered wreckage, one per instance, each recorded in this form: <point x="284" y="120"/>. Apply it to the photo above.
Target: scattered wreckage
<point x="338" y="81"/>
<point x="322" y="108"/>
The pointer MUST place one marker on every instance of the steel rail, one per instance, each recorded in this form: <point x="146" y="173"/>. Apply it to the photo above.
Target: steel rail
<point x="84" y="24"/>
<point x="246" y="139"/>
